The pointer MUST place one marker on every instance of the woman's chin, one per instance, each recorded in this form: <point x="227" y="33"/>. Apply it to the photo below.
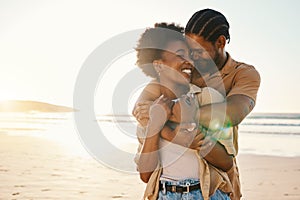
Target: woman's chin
<point x="185" y="85"/>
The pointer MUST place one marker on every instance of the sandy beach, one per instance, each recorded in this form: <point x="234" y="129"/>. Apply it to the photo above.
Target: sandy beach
<point x="36" y="168"/>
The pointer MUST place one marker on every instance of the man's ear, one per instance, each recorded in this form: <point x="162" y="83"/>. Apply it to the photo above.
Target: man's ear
<point x="157" y="64"/>
<point x="221" y="41"/>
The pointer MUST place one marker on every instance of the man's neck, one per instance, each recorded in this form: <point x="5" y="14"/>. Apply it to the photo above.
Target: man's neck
<point x="223" y="61"/>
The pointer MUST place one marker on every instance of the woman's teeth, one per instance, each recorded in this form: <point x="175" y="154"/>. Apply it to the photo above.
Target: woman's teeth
<point x="187" y="71"/>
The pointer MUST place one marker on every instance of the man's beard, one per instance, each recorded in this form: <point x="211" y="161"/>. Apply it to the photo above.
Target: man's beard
<point x="205" y="66"/>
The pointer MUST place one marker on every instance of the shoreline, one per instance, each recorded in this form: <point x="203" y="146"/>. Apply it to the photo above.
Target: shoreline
<point x="37" y="168"/>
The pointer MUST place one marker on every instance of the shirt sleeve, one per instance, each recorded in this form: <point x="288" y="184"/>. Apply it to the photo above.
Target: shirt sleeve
<point x="246" y="82"/>
<point x="151" y="92"/>
<point x="225" y="137"/>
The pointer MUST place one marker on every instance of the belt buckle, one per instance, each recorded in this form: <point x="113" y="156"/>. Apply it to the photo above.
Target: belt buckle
<point x="173" y="188"/>
<point x="187" y="188"/>
<point x="164" y="190"/>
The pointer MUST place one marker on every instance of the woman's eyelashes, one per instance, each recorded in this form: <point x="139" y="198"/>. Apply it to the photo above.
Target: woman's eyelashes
<point x="180" y="55"/>
<point x="183" y="56"/>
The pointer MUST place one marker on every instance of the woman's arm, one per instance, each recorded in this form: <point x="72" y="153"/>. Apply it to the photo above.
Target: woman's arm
<point x="160" y="111"/>
<point x="149" y="157"/>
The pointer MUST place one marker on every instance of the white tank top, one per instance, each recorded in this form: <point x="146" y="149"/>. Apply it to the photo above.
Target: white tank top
<point x="178" y="162"/>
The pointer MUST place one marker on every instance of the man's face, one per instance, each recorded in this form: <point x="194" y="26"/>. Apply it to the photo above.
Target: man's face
<point x="204" y="54"/>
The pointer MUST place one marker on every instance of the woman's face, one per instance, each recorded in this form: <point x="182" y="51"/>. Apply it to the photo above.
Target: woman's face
<point x="177" y="66"/>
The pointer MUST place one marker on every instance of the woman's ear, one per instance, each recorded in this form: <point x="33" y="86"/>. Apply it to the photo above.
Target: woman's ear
<point x="157" y="66"/>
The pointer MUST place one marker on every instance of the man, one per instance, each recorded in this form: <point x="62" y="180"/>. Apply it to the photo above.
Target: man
<point x="207" y="33"/>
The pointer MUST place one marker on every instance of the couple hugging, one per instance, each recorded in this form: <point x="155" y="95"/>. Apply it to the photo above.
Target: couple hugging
<point x="189" y="113"/>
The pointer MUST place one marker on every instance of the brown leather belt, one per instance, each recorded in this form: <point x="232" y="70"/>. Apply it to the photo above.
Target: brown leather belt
<point x="179" y="189"/>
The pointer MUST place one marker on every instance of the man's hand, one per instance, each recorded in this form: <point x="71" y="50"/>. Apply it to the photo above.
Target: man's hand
<point x="198" y="141"/>
<point x="185" y="134"/>
<point x="141" y="112"/>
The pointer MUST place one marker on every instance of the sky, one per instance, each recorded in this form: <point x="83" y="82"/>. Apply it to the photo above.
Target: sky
<point x="43" y="45"/>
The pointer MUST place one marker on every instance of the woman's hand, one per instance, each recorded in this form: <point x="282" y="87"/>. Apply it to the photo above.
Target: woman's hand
<point x="159" y="113"/>
<point x="185" y="109"/>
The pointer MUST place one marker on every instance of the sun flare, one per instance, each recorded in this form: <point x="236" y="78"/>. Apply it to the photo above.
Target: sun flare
<point x="4" y="96"/>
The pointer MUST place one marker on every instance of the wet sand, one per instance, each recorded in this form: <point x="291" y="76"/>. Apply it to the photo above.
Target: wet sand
<point x="36" y="168"/>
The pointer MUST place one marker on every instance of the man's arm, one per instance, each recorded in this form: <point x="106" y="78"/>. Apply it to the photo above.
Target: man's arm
<point x="185" y="135"/>
<point x="227" y="114"/>
<point x="141" y="108"/>
<point x="217" y="155"/>
<point x="215" y="117"/>
<point x="239" y="103"/>
<point x="214" y="153"/>
<point x="151" y="92"/>
<point x="210" y="149"/>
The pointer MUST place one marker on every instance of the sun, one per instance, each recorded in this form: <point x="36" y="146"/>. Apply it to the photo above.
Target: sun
<point x="6" y="95"/>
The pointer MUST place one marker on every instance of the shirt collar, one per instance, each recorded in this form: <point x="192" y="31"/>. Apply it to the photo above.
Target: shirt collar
<point x="229" y="65"/>
<point x="194" y="89"/>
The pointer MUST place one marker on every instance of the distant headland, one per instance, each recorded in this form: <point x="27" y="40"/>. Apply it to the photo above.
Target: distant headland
<point x="31" y="106"/>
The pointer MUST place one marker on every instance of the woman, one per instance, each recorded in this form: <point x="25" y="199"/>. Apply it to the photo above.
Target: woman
<point x="171" y="170"/>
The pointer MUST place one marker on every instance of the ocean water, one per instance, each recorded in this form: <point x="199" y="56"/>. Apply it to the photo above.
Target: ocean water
<point x="260" y="133"/>
<point x="270" y="134"/>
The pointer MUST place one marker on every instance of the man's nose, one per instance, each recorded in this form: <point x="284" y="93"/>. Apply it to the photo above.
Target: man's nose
<point x="195" y="56"/>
